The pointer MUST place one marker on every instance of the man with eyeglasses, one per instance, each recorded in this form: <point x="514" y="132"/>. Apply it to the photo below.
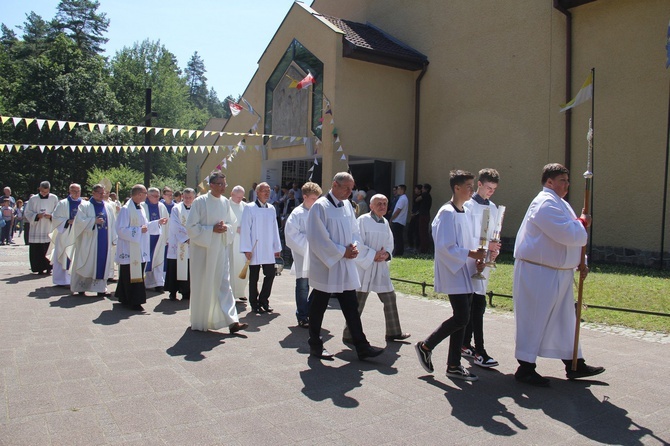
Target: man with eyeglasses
<point x="209" y="227"/>
<point x="332" y="234"/>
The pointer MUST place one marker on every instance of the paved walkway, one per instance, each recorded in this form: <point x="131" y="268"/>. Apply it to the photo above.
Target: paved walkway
<point x="85" y="371"/>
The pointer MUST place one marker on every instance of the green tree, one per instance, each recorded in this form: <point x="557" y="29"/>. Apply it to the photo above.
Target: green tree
<point x="80" y="21"/>
<point x="197" y="81"/>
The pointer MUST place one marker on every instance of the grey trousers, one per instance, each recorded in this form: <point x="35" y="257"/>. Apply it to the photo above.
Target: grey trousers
<point x="390" y="312"/>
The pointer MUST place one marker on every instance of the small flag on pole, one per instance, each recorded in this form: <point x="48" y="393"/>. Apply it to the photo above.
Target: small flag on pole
<point x="235" y="108"/>
<point x="583" y="95"/>
<point x="306" y="82"/>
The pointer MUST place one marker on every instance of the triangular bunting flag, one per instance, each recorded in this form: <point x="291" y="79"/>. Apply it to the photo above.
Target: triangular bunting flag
<point x="340" y="149"/>
<point x="198" y="133"/>
<point x="41" y="149"/>
<point x="29" y="121"/>
<point x="190" y="133"/>
<point x="4" y="119"/>
<point x="17" y="121"/>
<point x="40" y="123"/>
<point x="50" y="123"/>
<point x="91" y="126"/>
<point x="101" y="128"/>
<point x="343" y="157"/>
<point x="61" y="124"/>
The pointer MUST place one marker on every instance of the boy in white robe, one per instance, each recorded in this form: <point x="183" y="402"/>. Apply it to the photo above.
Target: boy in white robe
<point x="373" y="266"/>
<point x="295" y="233"/>
<point x="454" y="245"/>
<point x="548" y="248"/>
<point x="487" y="183"/>
<point x="177" y="276"/>
<point x="209" y="225"/>
<point x="332" y="234"/>
<point x="63" y="236"/>
<point x="95" y="234"/>
<point x="260" y="243"/>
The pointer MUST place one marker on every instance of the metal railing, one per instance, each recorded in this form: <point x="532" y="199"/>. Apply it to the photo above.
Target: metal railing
<point x="490" y="295"/>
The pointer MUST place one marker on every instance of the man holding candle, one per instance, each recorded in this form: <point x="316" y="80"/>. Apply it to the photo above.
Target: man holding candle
<point x="479" y="205"/>
<point x="455" y="244"/>
<point x="547" y="251"/>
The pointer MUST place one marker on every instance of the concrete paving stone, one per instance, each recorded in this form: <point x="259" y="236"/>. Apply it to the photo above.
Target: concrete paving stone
<point x="148" y="379"/>
<point x="75" y="394"/>
<point x="30" y="400"/>
<point x="27" y="431"/>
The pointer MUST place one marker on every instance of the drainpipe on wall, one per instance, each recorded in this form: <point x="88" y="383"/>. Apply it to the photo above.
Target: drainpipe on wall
<point x="568" y="81"/>
<point x="417" y="113"/>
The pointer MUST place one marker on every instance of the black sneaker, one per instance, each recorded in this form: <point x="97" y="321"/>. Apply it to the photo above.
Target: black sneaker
<point x="459" y="372"/>
<point x="424" y="357"/>
<point x="484" y="360"/>
<point x="468" y="351"/>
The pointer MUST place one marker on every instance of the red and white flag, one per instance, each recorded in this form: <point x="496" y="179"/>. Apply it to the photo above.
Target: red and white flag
<point x="235" y="108"/>
<point x="306" y="82"/>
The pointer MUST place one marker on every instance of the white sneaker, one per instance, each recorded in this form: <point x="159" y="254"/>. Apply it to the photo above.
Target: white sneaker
<point x="485" y="361"/>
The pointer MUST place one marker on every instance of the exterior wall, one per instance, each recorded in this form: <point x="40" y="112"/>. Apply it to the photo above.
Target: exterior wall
<point x="490" y="99"/>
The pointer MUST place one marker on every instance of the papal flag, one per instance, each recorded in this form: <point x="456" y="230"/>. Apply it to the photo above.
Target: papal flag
<point x="583" y="95"/>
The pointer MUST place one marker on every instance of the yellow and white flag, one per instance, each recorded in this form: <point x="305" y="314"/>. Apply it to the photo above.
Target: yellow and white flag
<point x="583" y="95"/>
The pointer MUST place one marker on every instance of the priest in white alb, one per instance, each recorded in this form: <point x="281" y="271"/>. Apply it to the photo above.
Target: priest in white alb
<point x="95" y="234"/>
<point x="132" y="251"/>
<point x="547" y="251"/>
<point x="39" y="210"/>
<point x="237" y="258"/>
<point x="155" y="210"/>
<point x="209" y="225"/>
<point x="63" y="235"/>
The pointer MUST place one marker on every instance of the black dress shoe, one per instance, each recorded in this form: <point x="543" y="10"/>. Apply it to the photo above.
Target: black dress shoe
<point x="159" y="289"/>
<point x="321" y="354"/>
<point x="369" y="352"/>
<point x="137" y="307"/>
<point x="583" y="370"/>
<point x="531" y="377"/>
<point x="400" y="337"/>
<point x="236" y="326"/>
<point x="173" y="296"/>
<point x="105" y="294"/>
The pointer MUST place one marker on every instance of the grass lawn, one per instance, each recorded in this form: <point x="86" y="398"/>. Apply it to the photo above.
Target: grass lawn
<point x="607" y="285"/>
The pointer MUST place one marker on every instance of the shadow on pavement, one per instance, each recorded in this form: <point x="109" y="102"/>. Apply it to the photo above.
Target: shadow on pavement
<point x="116" y="315"/>
<point x="482" y="404"/>
<point x="45" y="292"/>
<point x="71" y="301"/>
<point x="193" y="343"/>
<point x="16" y="279"/>
<point x="167" y="306"/>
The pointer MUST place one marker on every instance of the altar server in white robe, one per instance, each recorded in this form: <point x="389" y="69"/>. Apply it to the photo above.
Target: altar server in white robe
<point x="177" y="276"/>
<point x="155" y="274"/>
<point x="132" y="250"/>
<point x="63" y="235"/>
<point x="374" y="254"/>
<point x="295" y="233"/>
<point x="260" y="243"/>
<point x="39" y="210"/>
<point x="209" y="227"/>
<point x="95" y="234"/>
<point x="332" y="234"/>
<point x="547" y="252"/>
<point x="453" y="233"/>
<point x="237" y="258"/>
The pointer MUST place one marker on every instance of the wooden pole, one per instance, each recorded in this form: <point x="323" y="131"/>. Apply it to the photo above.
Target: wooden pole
<point x="588" y="176"/>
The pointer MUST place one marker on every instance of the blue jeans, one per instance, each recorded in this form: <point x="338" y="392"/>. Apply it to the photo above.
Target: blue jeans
<point x="302" y="299"/>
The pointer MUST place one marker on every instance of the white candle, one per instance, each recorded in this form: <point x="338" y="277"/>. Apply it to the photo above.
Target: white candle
<point x="499" y="222"/>
<point x="484" y="234"/>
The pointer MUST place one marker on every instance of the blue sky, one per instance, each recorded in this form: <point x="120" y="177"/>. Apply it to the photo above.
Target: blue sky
<point x="229" y="35"/>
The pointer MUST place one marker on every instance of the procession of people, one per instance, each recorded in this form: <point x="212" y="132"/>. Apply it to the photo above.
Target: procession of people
<point x="210" y="250"/>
